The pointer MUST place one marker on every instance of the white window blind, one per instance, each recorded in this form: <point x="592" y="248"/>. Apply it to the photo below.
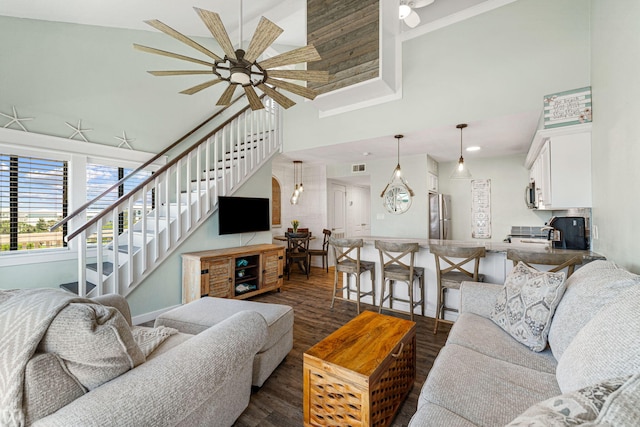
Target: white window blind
<point x="33" y="197"/>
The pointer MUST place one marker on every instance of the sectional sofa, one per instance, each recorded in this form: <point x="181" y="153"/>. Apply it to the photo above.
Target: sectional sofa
<point x="93" y="368"/>
<point x="540" y="350"/>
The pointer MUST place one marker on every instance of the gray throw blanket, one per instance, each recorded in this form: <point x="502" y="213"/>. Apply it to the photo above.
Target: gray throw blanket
<point x="25" y="316"/>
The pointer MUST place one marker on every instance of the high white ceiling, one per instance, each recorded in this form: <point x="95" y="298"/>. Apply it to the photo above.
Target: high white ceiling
<point x="498" y="136"/>
<point x="131" y="14"/>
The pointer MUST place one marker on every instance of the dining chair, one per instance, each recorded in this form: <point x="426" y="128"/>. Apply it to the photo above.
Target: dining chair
<point x="559" y="261"/>
<point x="324" y="252"/>
<point x="454" y="265"/>
<point x="298" y="251"/>
<point x="395" y="267"/>
<point x="346" y="253"/>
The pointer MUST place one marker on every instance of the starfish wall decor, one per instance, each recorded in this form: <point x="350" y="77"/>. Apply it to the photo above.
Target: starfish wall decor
<point x="77" y="130"/>
<point x="15" y="119"/>
<point x="124" y="140"/>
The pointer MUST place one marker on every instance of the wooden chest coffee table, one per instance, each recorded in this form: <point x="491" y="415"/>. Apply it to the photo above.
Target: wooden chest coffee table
<point x="360" y="374"/>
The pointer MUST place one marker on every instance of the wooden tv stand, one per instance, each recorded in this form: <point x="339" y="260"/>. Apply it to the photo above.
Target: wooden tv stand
<point x="240" y="272"/>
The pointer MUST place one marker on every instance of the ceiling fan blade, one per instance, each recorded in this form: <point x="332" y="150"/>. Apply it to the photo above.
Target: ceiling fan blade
<point x="225" y="98"/>
<point x="276" y="96"/>
<point x="293" y="88"/>
<point x="412" y="20"/>
<point x="201" y="86"/>
<point x="179" y="72"/>
<point x="266" y="33"/>
<point x="171" y="55"/>
<point x="307" y="75"/>
<point x="179" y="36"/>
<point x="216" y="27"/>
<point x="302" y="54"/>
<point x="254" y="100"/>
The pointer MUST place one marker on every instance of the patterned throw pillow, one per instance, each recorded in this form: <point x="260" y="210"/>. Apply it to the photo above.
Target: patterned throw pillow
<point x="525" y="306"/>
<point x="571" y="409"/>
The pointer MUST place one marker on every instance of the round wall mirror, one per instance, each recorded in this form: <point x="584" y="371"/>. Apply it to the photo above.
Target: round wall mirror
<point x="397" y="199"/>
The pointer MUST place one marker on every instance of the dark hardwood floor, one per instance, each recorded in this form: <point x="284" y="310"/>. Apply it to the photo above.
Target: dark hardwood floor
<point x="278" y="402"/>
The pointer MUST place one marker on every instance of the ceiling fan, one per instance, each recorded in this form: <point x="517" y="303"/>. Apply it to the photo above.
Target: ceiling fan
<point x="407" y="12"/>
<point x="241" y="68"/>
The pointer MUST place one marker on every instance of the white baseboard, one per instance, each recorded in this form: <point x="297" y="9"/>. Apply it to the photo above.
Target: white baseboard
<point x="147" y="317"/>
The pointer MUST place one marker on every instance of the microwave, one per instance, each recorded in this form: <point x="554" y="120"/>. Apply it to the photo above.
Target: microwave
<point x="530" y="196"/>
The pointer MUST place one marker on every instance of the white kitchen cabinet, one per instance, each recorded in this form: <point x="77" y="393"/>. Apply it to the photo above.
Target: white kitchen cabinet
<point x="432" y="182"/>
<point x="561" y="168"/>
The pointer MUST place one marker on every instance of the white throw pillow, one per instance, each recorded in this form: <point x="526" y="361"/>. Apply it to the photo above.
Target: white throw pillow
<point x="94" y="341"/>
<point x="589" y="289"/>
<point x="607" y="347"/>
<point x="525" y="306"/>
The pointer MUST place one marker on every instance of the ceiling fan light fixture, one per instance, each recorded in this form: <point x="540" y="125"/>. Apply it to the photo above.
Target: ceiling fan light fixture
<point x="240" y="67"/>
<point x="240" y="76"/>
<point x="404" y="11"/>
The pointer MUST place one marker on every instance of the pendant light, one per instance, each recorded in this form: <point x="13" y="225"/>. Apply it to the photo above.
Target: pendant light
<point x="298" y="188"/>
<point x="396" y="178"/>
<point x="461" y="171"/>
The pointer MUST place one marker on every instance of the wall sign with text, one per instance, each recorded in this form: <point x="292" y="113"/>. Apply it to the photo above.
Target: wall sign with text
<point x="571" y="107"/>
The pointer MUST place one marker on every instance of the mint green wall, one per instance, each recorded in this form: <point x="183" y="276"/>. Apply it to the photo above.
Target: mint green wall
<point x="59" y="73"/>
<point x="42" y="275"/>
<point x="498" y="63"/>
<point x="615" y="82"/>
<point x="508" y="179"/>
<point x="164" y="287"/>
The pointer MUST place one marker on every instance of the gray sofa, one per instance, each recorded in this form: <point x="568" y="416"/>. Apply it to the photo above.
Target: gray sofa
<point x="588" y="373"/>
<point x="188" y="380"/>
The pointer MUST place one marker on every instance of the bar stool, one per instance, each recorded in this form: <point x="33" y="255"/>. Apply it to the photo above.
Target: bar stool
<point x="346" y="261"/>
<point x="453" y="272"/>
<point x="395" y="269"/>
<point x="558" y="260"/>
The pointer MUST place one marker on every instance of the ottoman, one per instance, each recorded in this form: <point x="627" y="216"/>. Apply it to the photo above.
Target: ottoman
<point x="196" y="316"/>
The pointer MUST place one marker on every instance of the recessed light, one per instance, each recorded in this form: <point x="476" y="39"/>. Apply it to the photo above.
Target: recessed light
<point x="366" y="153"/>
<point x="474" y="148"/>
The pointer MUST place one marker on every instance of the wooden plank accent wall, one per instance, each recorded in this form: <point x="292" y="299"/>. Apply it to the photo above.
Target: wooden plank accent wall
<point x="346" y="34"/>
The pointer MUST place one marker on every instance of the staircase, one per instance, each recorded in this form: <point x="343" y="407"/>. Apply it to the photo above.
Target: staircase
<point x="143" y="227"/>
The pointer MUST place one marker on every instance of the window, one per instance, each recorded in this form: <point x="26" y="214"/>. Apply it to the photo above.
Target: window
<point x="101" y="177"/>
<point x="32" y="198"/>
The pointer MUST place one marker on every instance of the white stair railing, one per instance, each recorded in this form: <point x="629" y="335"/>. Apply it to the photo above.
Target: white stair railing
<point x="161" y="212"/>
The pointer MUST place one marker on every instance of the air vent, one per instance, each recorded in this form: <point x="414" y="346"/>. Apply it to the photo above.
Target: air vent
<point x="361" y="167"/>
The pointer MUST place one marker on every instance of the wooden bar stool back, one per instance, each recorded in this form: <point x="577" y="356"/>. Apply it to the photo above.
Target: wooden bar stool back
<point x="558" y="260"/>
<point x="395" y="268"/>
<point x="454" y="265"/>
<point x="298" y="251"/>
<point x="346" y="253"/>
<point x="324" y="252"/>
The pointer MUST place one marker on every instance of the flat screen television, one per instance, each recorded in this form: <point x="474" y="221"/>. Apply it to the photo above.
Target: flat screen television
<point x="243" y="215"/>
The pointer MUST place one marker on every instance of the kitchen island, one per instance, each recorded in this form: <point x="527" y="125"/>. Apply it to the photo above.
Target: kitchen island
<point x="495" y="267"/>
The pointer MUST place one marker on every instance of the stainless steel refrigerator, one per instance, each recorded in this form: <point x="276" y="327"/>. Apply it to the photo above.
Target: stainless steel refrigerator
<point x="439" y="216"/>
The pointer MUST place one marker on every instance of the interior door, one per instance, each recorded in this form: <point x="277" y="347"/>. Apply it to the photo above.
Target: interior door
<point x="337" y="209"/>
